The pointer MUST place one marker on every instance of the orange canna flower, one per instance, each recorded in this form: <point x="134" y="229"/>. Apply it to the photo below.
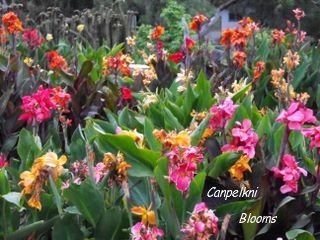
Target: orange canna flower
<point x="259" y="68"/>
<point x="226" y="37"/>
<point x="291" y="59"/>
<point x="157" y="32"/>
<point x="3" y="35"/>
<point x="33" y="181"/>
<point x="239" y="58"/>
<point x="12" y="22"/>
<point x="56" y="61"/>
<point x="277" y="75"/>
<point x="117" y="64"/>
<point x="278" y="36"/>
<point x="147" y="216"/>
<point x="173" y="139"/>
<point x="240" y="166"/>
<point x="239" y="37"/>
<point x="197" y="21"/>
<point x="190" y="43"/>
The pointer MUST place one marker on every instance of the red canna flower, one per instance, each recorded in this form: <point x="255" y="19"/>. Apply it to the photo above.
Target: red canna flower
<point x="12" y="22"/>
<point x="298" y="13"/>
<point x="176" y="57"/>
<point x="31" y="38"/>
<point x="56" y="61"/>
<point x="259" y="68"/>
<point x="157" y="32"/>
<point x="226" y="37"/>
<point x="3" y="35"/>
<point x="61" y="99"/>
<point x="239" y="58"/>
<point x="190" y="43"/>
<point x="116" y="64"/>
<point x="278" y="36"/>
<point x="197" y="21"/>
<point x="126" y="93"/>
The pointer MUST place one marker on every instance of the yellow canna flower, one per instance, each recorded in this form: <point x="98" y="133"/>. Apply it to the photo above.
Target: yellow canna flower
<point x="49" y="37"/>
<point x="147" y="216"/>
<point x="28" y="61"/>
<point x="240" y="166"/>
<point x="136" y="136"/>
<point x="33" y="181"/>
<point x="80" y="28"/>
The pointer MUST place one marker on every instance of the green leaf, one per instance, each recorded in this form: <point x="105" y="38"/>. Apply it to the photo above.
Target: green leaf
<point x="222" y="163"/>
<point x="153" y="143"/>
<point x="203" y="89"/>
<point x="189" y="99"/>
<point x="196" y="188"/>
<point x="88" y="200"/>
<point x="109" y="224"/>
<point x="77" y="145"/>
<point x="85" y="69"/>
<point x="296" y="140"/>
<point x="66" y="229"/>
<point x="300" y="73"/>
<point x="235" y="207"/>
<point x="171" y="122"/>
<point x="249" y="229"/>
<point x="13" y="197"/>
<point x="27" y="149"/>
<point x="4" y="183"/>
<point x="197" y="134"/>
<point x="264" y="126"/>
<point x="239" y="95"/>
<point x="299" y="234"/>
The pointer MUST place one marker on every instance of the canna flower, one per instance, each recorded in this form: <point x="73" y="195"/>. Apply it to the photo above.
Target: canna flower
<point x="296" y="115"/>
<point x="32" y="39"/>
<point x="117" y="64"/>
<point x="80" y="28"/>
<point x="3" y="161"/>
<point x="49" y="37"/>
<point x="202" y="224"/>
<point x="157" y="32"/>
<point x="226" y="37"/>
<point x="61" y="99"/>
<point x="291" y="60"/>
<point x="222" y="113"/>
<point x="131" y="41"/>
<point x="28" y="61"/>
<point x="172" y="139"/>
<point x="290" y="174"/>
<point x="314" y="134"/>
<point x="240" y="166"/>
<point x="56" y="61"/>
<point x="183" y="166"/>
<point x="126" y="93"/>
<point x="119" y="165"/>
<point x="258" y="69"/>
<point x="176" y="57"/>
<point x="244" y="139"/>
<point x="278" y="36"/>
<point x="277" y="75"/>
<point x="239" y="58"/>
<point x="148" y="216"/>
<point x="12" y="23"/>
<point x="298" y="13"/>
<point x="140" y="231"/>
<point x="189" y="42"/>
<point x="32" y="181"/>
<point x="38" y="106"/>
<point x="197" y="21"/>
<point x="240" y="37"/>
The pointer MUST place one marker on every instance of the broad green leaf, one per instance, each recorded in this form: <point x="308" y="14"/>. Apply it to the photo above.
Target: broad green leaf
<point x="296" y="140"/>
<point x="171" y="122"/>
<point x="109" y="224"/>
<point x="189" y="99"/>
<point x="4" y="183"/>
<point x="85" y="69"/>
<point x="67" y="229"/>
<point x="203" y="90"/>
<point x="264" y="126"/>
<point x="13" y="197"/>
<point x="153" y="143"/>
<point x="299" y="234"/>
<point x="222" y="163"/>
<point x="249" y="229"/>
<point x="196" y="188"/>
<point x="116" y="49"/>
<point x="27" y="149"/>
<point x="300" y="73"/>
<point x="239" y="95"/>
<point x="88" y="200"/>
<point x="77" y="145"/>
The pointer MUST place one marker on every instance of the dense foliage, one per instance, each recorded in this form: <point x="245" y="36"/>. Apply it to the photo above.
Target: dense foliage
<point x="103" y="143"/>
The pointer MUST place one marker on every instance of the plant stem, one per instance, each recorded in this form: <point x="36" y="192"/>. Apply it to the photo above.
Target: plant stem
<point x="284" y="143"/>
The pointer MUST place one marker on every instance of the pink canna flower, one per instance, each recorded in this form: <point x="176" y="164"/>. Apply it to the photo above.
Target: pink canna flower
<point x="296" y="115"/>
<point x="32" y="38"/>
<point x="298" y="13"/>
<point x="289" y="173"/>
<point x="140" y="231"/>
<point x="3" y="160"/>
<point x="202" y="224"/>
<point x="38" y="106"/>
<point x="314" y="135"/>
<point x="244" y="139"/>
<point x="183" y="166"/>
<point x="222" y="113"/>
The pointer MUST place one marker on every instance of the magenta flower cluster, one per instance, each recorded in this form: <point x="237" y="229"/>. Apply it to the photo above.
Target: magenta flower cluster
<point x="290" y="174"/>
<point x="244" y="139"/>
<point x="222" y="113"/>
<point x="202" y="224"/>
<point x="140" y="231"/>
<point x="183" y="166"/>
